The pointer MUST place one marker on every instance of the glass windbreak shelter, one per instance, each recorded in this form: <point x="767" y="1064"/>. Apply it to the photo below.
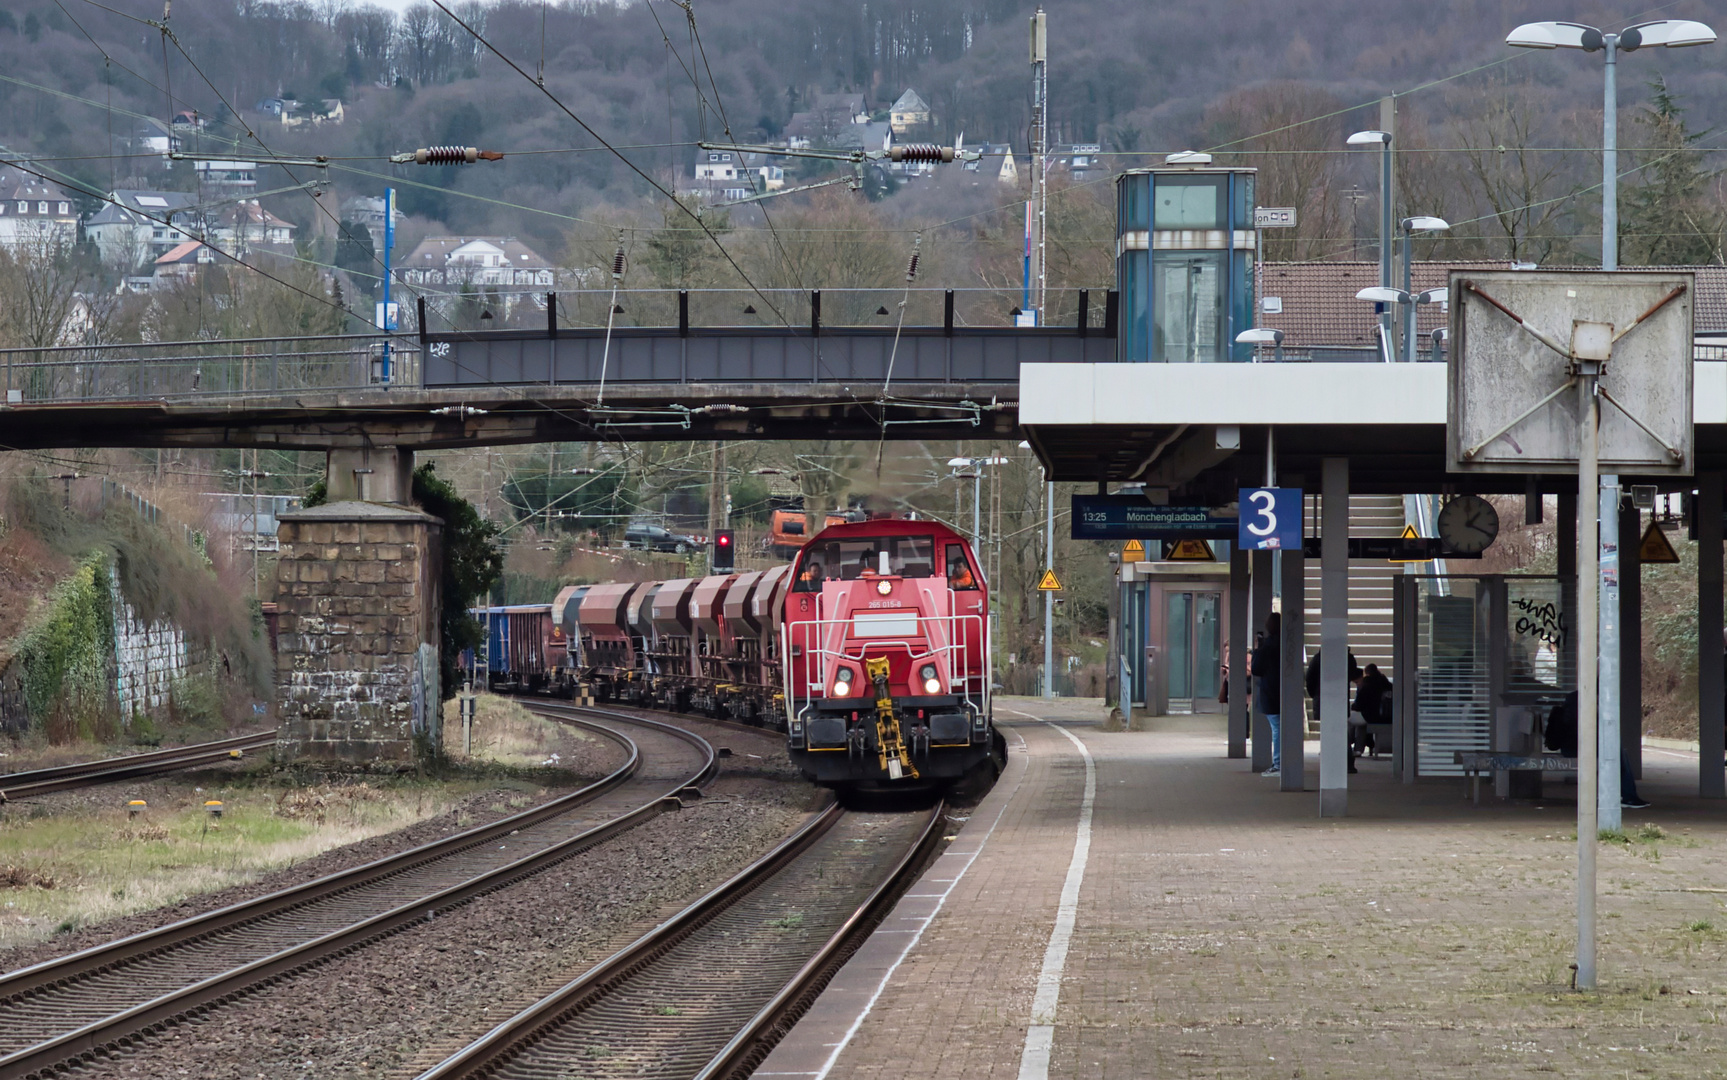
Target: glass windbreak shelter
<point x="1184" y="263"/>
<point x="1482" y="661"/>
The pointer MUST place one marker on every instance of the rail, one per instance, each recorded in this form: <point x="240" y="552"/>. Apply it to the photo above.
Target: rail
<point x="673" y="965"/>
<point x="21" y="785"/>
<point x="98" y="990"/>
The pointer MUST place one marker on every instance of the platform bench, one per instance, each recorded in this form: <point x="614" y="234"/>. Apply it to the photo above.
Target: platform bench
<point x="1476" y="762"/>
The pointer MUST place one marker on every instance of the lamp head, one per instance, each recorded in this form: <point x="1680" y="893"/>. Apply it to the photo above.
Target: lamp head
<point x="1433" y="296"/>
<point x="1381" y="295"/>
<point x="958" y="462"/>
<point x="1370" y="138"/>
<point x="1672" y="33"/>
<point x="1555" y="35"/>
<point x="1261" y="336"/>
<point x="1425" y="224"/>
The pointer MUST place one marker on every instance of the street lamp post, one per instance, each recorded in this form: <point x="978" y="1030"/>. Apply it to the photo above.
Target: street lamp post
<point x="1670" y="33"/>
<point x="1408" y="300"/>
<point x="1262" y="336"/>
<point x="1412" y="225"/>
<point x="1383" y="140"/>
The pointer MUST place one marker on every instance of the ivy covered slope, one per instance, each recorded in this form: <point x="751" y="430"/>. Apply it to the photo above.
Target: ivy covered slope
<point x="83" y="583"/>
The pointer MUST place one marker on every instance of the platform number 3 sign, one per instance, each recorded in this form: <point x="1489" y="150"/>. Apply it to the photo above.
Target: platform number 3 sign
<point x="1270" y="519"/>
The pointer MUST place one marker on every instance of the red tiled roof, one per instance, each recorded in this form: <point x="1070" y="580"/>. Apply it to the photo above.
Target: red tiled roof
<point x="1320" y="308"/>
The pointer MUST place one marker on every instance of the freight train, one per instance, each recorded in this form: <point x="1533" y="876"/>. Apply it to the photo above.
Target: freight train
<point x="871" y="652"/>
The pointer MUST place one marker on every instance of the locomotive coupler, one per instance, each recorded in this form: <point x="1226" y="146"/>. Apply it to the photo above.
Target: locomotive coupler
<point x="890" y="747"/>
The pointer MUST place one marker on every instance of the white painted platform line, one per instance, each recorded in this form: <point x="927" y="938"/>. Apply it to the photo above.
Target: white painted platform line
<point x="916" y="936"/>
<point x="1040" y="1035"/>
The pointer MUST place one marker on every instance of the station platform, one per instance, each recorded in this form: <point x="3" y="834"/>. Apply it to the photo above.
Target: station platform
<point x="1136" y="904"/>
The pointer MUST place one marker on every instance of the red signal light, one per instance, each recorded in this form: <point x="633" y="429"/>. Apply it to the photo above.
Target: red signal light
<point x="723" y="549"/>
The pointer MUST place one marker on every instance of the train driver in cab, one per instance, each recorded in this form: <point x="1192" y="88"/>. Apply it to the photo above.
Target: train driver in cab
<point x="958" y="570"/>
<point x="812" y="574"/>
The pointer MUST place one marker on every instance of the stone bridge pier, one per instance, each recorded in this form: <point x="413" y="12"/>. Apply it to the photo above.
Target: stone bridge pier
<point x="357" y="589"/>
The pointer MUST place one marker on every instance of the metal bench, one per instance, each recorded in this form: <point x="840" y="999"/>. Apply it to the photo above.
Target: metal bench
<point x="1476" y="762"/>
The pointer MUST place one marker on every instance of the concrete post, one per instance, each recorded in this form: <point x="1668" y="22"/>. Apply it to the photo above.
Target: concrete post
<point x="1239" y="660"/>
<point x="1607" y="793"/>
<point x="1565" y="527"/>
<point x="1292" y="730"/>
<point x="1631" y="639"/>
<point x="1260" y="562"/>
<point x="378" y="474"/>
<point x="1334" y="639"/>
<point x="1711" y="706"/>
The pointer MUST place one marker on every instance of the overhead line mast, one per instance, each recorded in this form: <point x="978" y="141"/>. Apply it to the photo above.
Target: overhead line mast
<point x="1036" y="209"/>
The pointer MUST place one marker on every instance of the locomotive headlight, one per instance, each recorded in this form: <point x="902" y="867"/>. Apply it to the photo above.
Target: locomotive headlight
<point x="884" y="587"/>
<point x="843" y="682"/>
<point x="931" y="683"/>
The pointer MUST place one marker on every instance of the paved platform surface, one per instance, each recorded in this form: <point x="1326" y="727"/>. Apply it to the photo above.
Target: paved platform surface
<point x="1219" y="928"/>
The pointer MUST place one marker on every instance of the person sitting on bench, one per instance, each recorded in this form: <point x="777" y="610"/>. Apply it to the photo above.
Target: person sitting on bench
<point x="1372" y="703"/>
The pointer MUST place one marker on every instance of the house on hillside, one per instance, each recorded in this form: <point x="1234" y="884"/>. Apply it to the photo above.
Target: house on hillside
<point x="152" y="136"/>
<point x="138" y="227"/>
<point x="831" y="114"/>
<point x="908" y="112"/>
<point x="180" y="264"/>
<point x="33" y="211"/>
<point x="720" y="176"/>
<point x="234" y="176"/>
<point x="995" y="160"/>
<point x="1080" y="160"/>
<point x="368" y="210"/>
<point x="245" y="225"/>
<point x="501" y="261"/>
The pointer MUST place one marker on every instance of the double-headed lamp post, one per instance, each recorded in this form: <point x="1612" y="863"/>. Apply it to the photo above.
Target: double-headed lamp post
<point x="1262" y="335"/>
<point x="1408" y="300"/>
<point x="1412" y="225"/>
<point x="1669" y="33"/>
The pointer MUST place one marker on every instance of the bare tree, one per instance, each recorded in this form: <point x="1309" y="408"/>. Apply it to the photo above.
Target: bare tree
<point x="1297" y="161"/>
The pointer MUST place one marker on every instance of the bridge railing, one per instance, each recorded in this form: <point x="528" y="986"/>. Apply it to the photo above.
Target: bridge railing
<point x="832" y="308"/>
<point x="156" y="371"/>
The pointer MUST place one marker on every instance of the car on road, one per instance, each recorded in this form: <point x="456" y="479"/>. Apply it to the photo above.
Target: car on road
<point x="658" y="538"/>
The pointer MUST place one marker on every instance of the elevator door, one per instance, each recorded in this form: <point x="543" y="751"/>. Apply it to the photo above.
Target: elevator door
<point x="1193" y="650"/>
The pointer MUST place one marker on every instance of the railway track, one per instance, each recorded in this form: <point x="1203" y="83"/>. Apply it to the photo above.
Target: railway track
<point x="707" y="993"/>
<point x="100" y="1000"/>
<point x="20" y="785"/>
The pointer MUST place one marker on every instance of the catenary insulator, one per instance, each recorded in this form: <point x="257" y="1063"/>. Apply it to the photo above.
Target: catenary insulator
<point x="911" y="267"/>
<point x="618" y="264"/>
<point x="920" y="152"/>
<point x="447" y="155"/>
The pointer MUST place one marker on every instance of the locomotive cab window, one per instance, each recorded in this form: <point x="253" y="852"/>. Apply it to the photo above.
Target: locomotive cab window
<point x="848" y="560"/>
<point x="959" y="575"/>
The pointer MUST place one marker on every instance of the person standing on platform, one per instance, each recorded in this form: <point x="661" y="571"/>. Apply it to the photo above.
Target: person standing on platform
<point x="1267" y="675"/>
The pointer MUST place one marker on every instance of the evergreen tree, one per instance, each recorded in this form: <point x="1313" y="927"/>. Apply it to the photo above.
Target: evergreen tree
<point x="1666" y="217"/>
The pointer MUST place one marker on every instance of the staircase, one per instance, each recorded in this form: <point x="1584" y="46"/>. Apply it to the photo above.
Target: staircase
<point x="1370" y="583"/>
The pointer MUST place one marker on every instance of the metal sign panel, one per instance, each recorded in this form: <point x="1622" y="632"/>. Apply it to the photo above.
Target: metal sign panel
<point x="1517" y="337"/>
<point x="1274" y="217"/>
<point x="1190" y="551"/>
<point x="1049" y="582"/>
<point x="1655" y="547"/>
<point x="1123" y="517"/>
<point x="1270" y="519"/>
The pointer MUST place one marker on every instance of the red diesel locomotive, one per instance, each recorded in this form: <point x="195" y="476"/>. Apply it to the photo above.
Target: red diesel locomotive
<point x="871" y="652"/>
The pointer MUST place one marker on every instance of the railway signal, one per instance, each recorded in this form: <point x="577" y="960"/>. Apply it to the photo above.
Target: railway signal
<point x="725" y="554"/>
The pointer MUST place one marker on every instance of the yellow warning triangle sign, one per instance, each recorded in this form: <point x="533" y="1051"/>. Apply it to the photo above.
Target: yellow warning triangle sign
<point x="1409" y="533"/>
<point x="1133" y="552"/>
<point x="1191" y="551"/>
<point x="1049" y="582"/>
<point x="1655" y="547"/>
